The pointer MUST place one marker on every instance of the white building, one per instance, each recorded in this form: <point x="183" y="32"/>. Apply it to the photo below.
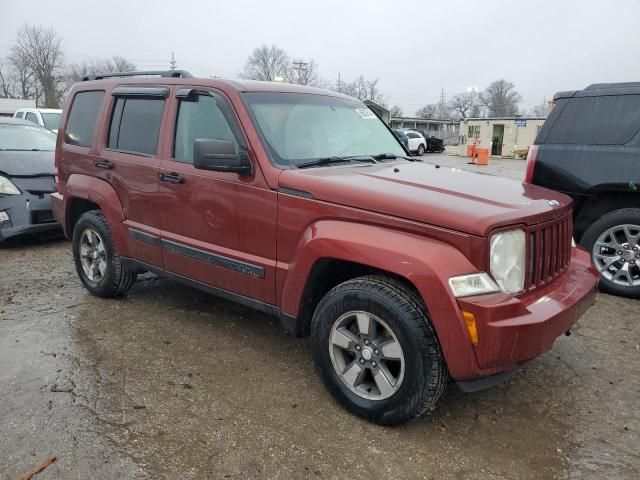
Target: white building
<point x="502" y="137"/>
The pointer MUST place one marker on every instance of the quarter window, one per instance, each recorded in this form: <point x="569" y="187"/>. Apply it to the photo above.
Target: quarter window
<point x="199" y="117"/>
<point x="135" y="125"/>
<point x="83" y="117"/>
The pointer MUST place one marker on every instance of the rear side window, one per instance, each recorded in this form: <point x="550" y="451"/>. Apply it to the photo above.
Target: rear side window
<point x="31" y="117"/>
<point x="604" y="120"/>
<point x="83" y="117"/>
<point x="135" y="125"/>
<point x="19" y="114"/>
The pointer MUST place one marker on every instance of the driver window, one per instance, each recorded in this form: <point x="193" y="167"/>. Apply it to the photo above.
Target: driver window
<point x="199" y="117"/>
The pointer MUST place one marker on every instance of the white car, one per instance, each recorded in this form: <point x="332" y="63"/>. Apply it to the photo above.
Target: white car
<point x="417" y="143"/>
<point x="46" y="117"/>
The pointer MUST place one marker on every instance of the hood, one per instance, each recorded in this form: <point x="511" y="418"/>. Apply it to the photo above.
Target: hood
<point x="446" y="197"/>
<point x="24" y="164"/>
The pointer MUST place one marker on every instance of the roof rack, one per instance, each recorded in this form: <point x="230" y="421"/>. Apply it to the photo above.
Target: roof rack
<point x="160" y="73"/>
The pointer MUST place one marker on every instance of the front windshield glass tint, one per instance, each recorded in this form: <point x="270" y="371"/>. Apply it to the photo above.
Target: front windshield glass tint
<point x="26" y="137"/>
<point x="303" y="127"/>
<point x="51" y="120"/>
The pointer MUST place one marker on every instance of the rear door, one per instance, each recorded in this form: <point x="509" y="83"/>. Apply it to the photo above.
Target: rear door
<point x="218" y="228"/>
<point x="128" y="158"/>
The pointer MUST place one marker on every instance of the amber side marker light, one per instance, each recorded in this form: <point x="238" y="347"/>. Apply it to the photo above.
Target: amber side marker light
<point x="470" y="321"/>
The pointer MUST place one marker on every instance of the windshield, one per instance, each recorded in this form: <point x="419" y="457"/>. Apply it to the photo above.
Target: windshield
<point x="26" y="137"/>
<point x="302" y="127"/>
<point x="51" y="120"/>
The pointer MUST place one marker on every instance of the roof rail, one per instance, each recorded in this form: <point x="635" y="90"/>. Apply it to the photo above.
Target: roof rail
<point x="160" y="73"/>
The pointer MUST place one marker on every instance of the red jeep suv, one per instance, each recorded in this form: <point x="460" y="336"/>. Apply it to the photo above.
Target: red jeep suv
<point x="301" y="203"/>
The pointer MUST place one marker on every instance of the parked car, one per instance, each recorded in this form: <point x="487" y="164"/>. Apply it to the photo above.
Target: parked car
<point x="45" y="117"/>
<point x="300" y="202"/>
<point x="434" y="144"/>
<point x="402" y="137"/>
<point x="26" y="178"/>
<point x="589" y="148"/>
<point x="417" y="143"/>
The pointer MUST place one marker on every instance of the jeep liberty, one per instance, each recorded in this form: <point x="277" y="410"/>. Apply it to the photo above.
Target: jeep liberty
<point x="301" y="203"/>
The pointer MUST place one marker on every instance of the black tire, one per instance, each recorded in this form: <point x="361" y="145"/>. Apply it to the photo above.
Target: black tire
<point x="425" y="372"/>
<point x="117" y="280"/>
<point x="421" y="149"/>
<point x="597" y="228"/>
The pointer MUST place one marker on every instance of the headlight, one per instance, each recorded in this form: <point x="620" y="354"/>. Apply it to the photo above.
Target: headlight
<point x="7" y="188"/>
<point x="473" y="284"/>
<point x="507" y="260"/>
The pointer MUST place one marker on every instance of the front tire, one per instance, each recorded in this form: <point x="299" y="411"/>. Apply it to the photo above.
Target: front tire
<point x="376" y="351"/>
<point x="97" y="261"/>
<point x="614" y="243"/>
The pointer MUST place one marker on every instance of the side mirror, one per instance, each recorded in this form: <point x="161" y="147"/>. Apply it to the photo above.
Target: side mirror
<point x="220" y="156"/>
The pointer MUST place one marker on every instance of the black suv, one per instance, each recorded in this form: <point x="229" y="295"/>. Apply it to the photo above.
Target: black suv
<point x="589" y="148"/>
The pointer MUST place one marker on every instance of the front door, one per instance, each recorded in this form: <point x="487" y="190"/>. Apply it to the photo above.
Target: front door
<point x="218" y="228"/>
<point x="497" y="139"/>
<point x="129" y="160"/>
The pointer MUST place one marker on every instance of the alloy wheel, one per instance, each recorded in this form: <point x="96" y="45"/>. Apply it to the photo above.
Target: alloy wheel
<point x="93" y="255"/>
<point x="366" y="355"/>
<point x="616" y="254"/>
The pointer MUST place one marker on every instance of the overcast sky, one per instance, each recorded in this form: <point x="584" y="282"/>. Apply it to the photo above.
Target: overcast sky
<point x="415" y="48"/>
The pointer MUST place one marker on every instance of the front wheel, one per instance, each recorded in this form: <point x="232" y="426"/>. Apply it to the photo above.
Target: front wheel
<point x="614" y="243"/>
<point x="376" y="351"/>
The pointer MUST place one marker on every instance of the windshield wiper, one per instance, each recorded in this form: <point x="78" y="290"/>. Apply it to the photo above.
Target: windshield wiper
<point x="334" y="159"/>
<point x="391" y="156"/>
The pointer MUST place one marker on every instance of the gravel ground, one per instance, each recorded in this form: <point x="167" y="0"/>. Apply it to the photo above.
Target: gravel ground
<point x="172" y="383"/>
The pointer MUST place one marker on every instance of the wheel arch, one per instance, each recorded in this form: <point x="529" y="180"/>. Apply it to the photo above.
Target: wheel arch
<point x="331" y="252"/>
<point x="594" y="207"/>
<point x="84" y="193"/>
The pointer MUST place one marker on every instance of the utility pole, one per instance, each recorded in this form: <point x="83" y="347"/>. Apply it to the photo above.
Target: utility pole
<point x="300" y="67"/>
<point x="443" y="97"/>
<point x="173" y="64"/>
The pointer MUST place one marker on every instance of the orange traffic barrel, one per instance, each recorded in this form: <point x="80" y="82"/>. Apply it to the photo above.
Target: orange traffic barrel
<point x="483" y="156"/>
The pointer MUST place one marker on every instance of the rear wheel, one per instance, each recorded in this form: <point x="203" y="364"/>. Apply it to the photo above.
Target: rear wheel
<point x="614" y="243"/>
<point x="97" y="261"/>
<point x="375" y="350"/>
<point x="421" y="150"/>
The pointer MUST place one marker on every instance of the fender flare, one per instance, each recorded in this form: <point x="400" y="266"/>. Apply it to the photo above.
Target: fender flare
<point x="426" y="263"/>
<point x="103" y="194"/>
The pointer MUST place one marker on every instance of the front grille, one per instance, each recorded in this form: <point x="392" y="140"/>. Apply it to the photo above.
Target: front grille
<point x="44" y="216"/>
<point x="548" y="251"/>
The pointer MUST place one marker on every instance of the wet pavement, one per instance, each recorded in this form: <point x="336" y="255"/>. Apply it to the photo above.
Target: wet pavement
<point x="173" y="383"/>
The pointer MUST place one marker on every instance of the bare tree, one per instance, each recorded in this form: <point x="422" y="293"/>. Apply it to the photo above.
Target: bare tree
<point x="75" y="71"/>
<point x="428" y="111"/>
<point x="40" y="50"/>
<point x="501" y="98"/>
<point x="395" y="111"/>
<point x="7" y="81"/>
<point x="362" y="89"/>
<point x="303" y="72"/>
<point x="463" y="103"/>
<point x="266" y="63"/>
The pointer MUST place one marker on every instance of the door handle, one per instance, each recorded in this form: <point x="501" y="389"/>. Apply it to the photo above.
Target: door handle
<point x="170" y="177"/>
<point x="103" y="164"/>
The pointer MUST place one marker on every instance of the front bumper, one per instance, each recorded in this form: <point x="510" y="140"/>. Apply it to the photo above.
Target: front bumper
<point x="512" y="330"/>
<point x="28" y="214"/>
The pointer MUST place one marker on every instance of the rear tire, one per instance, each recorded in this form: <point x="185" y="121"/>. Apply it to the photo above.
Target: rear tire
<point x="97" y="261"/>
<point x="613" y="241"/>
<point x="396" y="364"/>
<point x="421" y="149"/>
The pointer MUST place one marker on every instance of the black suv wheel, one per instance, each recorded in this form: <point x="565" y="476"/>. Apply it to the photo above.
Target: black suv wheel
<point x="98" y="263"/>
<point x="376" y="351"/>
<point x="614" y="243"/>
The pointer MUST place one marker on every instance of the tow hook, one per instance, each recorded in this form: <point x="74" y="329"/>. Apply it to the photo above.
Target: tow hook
<point x="567" y="333"/>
